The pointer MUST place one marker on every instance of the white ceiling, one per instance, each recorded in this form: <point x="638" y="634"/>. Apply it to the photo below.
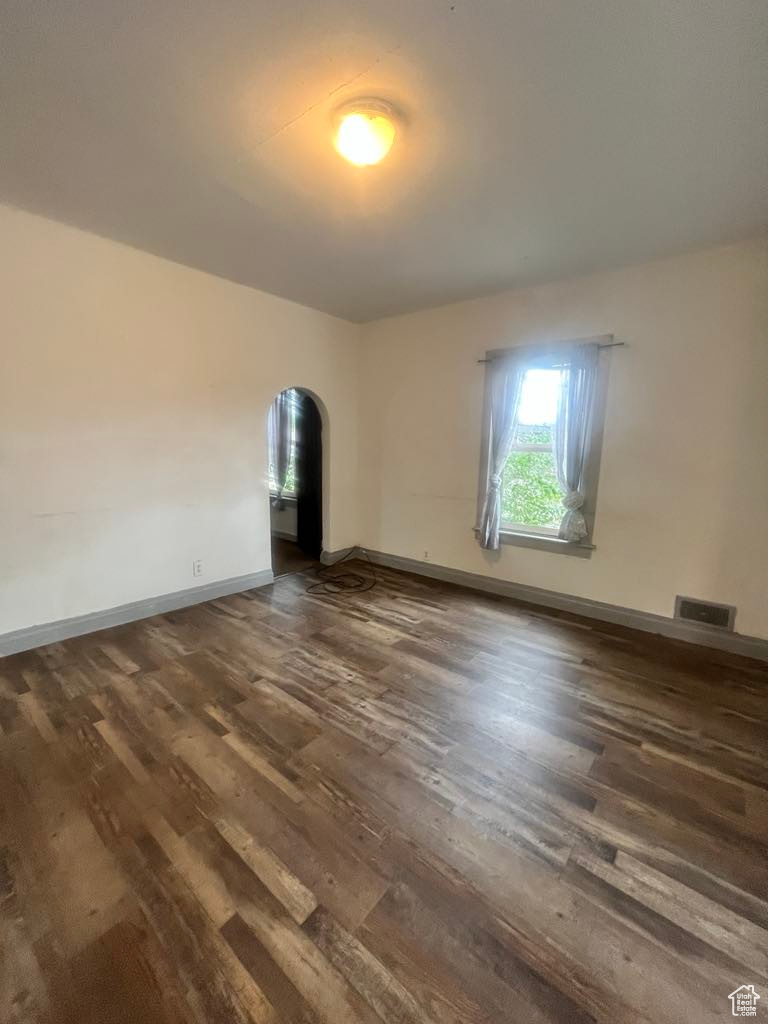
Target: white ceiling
<point x="543" y="137"/>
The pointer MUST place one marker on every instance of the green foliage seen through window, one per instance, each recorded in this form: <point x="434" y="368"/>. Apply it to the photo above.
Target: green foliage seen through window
<point x="530" y="494"/>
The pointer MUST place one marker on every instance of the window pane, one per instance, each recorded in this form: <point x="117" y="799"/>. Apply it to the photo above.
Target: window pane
<point x="540" y="433"/>
<point x="290" y="476"/>
<point x="538" y="402"/>
<point x="530" y="495"/>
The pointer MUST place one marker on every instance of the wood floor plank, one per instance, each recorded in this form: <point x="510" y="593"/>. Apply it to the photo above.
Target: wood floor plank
<point x="714" y="924"/>
<point x="297" y="899"/>
<point x="363" y="971"/>
<point x="416" y="804"/>
<point x="119" y="978"/>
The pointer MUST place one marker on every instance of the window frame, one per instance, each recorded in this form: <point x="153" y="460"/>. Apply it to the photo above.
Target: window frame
<point x="538" y="537"/>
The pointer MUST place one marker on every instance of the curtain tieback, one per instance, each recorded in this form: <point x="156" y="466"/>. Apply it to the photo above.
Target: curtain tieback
<point x="495" y="482"/>
<point x="573" y="500"/>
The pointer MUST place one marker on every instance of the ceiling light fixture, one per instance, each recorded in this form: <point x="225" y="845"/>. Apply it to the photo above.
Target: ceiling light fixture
<point x="365" y="131"/>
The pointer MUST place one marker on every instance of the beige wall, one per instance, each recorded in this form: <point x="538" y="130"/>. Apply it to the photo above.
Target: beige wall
<point x="683" y="500"/>
<point x="133" y="402"/>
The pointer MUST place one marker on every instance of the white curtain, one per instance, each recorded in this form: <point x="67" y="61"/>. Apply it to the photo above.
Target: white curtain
<point x="572" y="434"/>
<point x="505" y="387"/>
<point x="279" y="429"/>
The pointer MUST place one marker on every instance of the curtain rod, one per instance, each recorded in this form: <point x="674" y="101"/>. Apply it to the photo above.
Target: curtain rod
<point x="610" y="344"/>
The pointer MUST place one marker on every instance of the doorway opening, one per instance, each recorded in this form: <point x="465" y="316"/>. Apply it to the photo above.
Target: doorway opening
<point x="295" y="435"/>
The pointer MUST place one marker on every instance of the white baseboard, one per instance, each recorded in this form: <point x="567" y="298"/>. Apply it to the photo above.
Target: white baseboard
<point x="52" y="632"/>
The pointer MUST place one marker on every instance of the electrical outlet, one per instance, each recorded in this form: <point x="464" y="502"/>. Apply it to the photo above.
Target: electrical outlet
<point x="197" y="567"/>
<point x="426" y="556"/>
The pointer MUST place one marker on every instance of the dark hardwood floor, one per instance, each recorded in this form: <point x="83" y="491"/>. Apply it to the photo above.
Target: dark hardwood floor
<point x="287" y="557"/>
<point x="417" y="804"/>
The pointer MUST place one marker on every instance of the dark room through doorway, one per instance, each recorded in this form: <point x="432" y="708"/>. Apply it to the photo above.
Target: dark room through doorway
<point x="295" y="481"/>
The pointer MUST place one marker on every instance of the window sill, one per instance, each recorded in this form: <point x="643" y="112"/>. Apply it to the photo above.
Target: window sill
<point x="288" y="499"/>
<point x="540" y="542"/>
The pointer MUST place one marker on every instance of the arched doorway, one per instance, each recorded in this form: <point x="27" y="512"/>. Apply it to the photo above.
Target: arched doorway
<point x="295" y="435"/>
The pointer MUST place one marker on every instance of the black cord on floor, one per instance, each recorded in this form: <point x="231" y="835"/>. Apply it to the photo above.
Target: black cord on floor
<point x="330" y="582"/>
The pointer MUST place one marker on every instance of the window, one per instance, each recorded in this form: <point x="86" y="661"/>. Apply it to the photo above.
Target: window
<point x="531" y="498"/>
<point x="289" y="491"/>
<point x="542" y="437"/>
